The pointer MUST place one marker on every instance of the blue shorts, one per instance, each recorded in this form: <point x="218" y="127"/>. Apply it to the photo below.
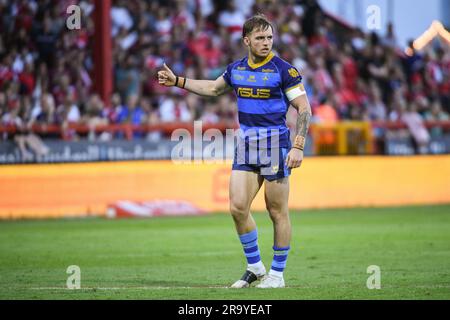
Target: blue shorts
<point x="271" y="168"/>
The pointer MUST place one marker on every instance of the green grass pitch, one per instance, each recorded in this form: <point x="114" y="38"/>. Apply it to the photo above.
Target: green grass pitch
<point x="198" y="257"/>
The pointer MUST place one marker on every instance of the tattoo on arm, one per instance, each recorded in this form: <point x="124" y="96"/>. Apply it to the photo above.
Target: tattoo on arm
<point x="303" y="120"/>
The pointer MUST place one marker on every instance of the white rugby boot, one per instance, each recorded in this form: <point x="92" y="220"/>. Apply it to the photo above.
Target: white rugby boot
<point x="271" y="281"/>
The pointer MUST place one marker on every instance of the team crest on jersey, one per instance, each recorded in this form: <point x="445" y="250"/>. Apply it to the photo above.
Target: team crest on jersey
<point x="293" y="73"/>
<point x="274" y="169"/>
<point x="251" y="79"/>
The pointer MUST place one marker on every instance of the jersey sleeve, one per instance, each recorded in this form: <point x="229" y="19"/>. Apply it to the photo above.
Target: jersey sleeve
<point x="292" y="82"/>
<point x="227" y="74"/>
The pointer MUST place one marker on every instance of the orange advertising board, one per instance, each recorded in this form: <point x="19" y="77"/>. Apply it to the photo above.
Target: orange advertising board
<point x="57" y="190"/>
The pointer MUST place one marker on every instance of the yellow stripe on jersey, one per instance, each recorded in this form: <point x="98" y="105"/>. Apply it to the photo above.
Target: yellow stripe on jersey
<point x="300" y="85"/>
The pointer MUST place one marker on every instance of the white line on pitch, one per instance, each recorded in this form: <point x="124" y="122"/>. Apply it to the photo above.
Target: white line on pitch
<point x="209" y="287"/>
<point x="129" y="288"/>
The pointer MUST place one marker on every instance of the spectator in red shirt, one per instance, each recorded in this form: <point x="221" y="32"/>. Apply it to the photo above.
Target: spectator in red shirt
<point x="27" y="79"/>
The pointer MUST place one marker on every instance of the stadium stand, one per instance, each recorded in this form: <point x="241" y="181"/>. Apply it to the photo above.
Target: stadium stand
<point x="46" y="70"/>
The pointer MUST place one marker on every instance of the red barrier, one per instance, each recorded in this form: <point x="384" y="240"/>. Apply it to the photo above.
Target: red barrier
<point x="127" y="129"/>
<point x="168" y="128"/>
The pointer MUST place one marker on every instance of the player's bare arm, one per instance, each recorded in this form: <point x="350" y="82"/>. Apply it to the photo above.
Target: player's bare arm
<point x="209" y="88"/>
<point x="295" y="156"/>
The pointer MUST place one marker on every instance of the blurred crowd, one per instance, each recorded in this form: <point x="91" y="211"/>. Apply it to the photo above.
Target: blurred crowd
<point x="46" y="70"/>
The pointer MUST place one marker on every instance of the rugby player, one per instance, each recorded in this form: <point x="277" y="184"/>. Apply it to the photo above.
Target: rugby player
<point x="265" y="86"/>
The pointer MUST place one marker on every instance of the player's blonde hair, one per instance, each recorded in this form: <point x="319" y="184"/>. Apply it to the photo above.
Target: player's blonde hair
<point x="257" y="22"/>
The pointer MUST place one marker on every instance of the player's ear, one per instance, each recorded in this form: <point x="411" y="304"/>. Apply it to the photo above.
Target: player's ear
<point x="246" y="41"/>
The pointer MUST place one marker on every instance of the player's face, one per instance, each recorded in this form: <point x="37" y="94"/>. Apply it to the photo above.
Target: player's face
<point x="260" y="42"/>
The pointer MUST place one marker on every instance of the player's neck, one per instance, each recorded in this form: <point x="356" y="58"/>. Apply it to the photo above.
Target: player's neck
<point x="257" y="60"/>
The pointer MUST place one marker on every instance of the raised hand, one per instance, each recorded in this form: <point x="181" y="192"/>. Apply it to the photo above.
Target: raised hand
<point x="166" y="77"/>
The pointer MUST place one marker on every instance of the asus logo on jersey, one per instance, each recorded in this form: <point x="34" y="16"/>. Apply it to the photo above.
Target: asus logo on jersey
<point x="254" y="93"/>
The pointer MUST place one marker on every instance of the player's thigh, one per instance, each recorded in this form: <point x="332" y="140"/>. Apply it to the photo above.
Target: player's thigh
<point x="277" y="195"/>
<point x="244" y="185"/>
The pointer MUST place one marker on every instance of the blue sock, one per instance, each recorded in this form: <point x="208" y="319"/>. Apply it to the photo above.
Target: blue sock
<point x="279" y="260"/>
<point x="250" y="244"/>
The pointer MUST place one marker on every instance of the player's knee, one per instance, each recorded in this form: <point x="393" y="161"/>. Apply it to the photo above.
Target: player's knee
<point x="239" y="210"/>
<point x="273" y="207"/>
<point x="277" y="212"/>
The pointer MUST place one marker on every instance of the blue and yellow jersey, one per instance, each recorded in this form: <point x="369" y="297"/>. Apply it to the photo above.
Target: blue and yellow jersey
<point x="263" y="93"/>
